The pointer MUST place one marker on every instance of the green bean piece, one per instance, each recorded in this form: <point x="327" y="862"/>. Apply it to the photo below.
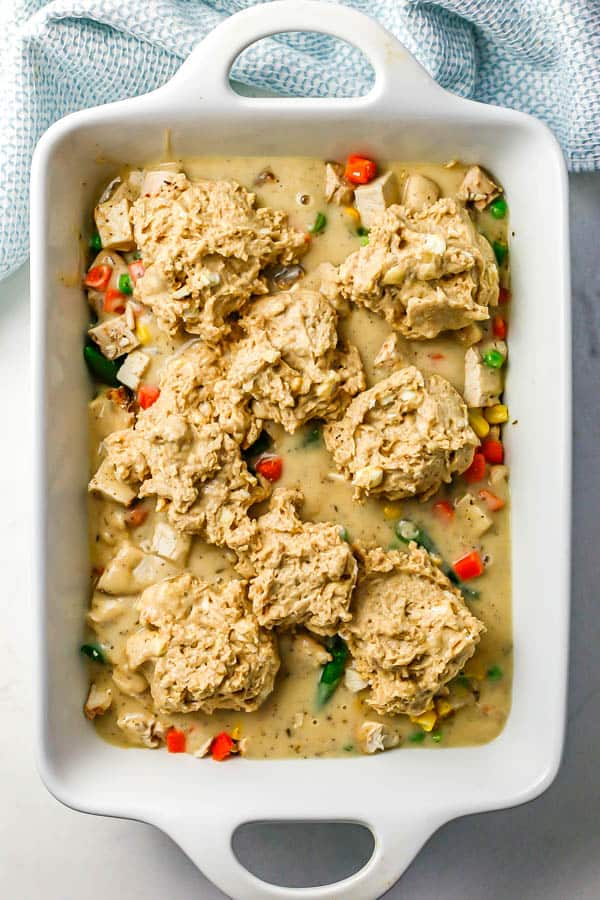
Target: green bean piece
<point x="344" y="533"/>
<point x="103" y="369"/>
<point x="493" y="359"/>
<point x="436" y="736"/>
<point x="464" y="682"/>
<point x="333" y="671"/>
<point x="408" y="531"/>
<point x="125" y="285"/>
<point x="93" y="652"/>
<point x="95" y="242"/>
<point x="417" y="737"/>
<point x="362" y="231"/>
<point x="498" y="208"/>
<point x="313" y="436"/>
<point x="495" y="673"/>
<point x="348" y="748"/>
<point x="500" y="252"/>
<point x="319" y="224"/>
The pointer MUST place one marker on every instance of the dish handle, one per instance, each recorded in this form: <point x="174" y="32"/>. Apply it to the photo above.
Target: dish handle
<point x="205" y="73"/>
<point x="209" y="846"/>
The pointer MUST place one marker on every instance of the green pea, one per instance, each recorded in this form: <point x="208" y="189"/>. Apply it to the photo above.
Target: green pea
<point x="494" y="359"/>
<point x="500" y="252"/>
<point x="103" y="369"/>
<point x="495" y="673"/>
<point x="125" y="285"/>
<point x="364" y="240"/>
<point x="312" y="437"/>
<point x="348" y="748"/>
<point x="498" y="208"/>
<point x="319" y="224"/>
<point x="436" y="736"/>
<point x="95" y="242"/>
<point x="93" y="652"/>
<point x="362" y="231"/>
<point x="417" y="737"/>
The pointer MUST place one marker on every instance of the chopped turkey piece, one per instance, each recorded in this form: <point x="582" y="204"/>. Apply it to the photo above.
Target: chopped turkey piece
<point x="99" y="700"/>
<point x="204" y="647"/>
<point x="305" y="654"/>
<point x="131" y="683"/>
<point x="419" y="191"/>
<point x="478" y="188"/>
<point x="425" y="271"/>
<point x="388" y="353"/>
<point x="470" y="335"/>
<point x="337" y="189"/>
<point x="291" y="363"/>
<point x="411" y="631"/>
<point x="132" y="370"/>
<point x="112" y="220"/>
<point x="404" y="437"/>
<point x="107" y="416"/>
<point x="106" y="609"/>
<point x="130" y="571"/>
<point x="141" y="729"/>
<point x="353" y="680"/>
<point x="170" y="543"/>
<point x="483" y="384"/>
<point x="105" y="482"/>
<point x="114" y="337"/>
<point x="373" y="199"/>
<point x="204" y="749"/>
<point x="154" y="179"/>
<point x="372" y="737"/>
<point x="471" y="517"/>
<point x="303" y="573"/>
<point x="205" y="247"/>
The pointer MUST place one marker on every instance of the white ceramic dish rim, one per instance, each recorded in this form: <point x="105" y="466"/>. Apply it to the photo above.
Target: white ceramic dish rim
<point x="402" y="797"/>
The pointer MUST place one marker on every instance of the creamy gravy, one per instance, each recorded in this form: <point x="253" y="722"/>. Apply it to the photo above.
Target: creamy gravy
<point x="289" y="723"/>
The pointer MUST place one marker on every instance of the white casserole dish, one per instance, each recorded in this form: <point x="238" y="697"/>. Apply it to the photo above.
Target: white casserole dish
<point x="402" y="796"/>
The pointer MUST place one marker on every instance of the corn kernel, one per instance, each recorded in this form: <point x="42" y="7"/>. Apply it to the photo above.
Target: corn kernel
<point x="236" y="733"/>
<point x="477" y="422"/>
<point x="352" y="212"/>
<point x="392" y="511"/>
<point x="496" y="415"/>
<point x="443" y="708"/>
<point x="143" y="333"/>
<point x="426" y="720"/>
<point x="475" y="670"/>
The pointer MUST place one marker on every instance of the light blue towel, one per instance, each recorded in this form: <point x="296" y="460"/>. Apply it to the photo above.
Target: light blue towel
<point x="541" y="56"/>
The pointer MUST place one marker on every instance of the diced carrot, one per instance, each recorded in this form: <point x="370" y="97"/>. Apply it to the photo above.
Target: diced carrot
<point x="494" y="502"/>
<point x="98" y="277"/>
<point x="136" y="516"/>
<point x="360" y="170"/>
<point x="136" y="270"/>
<point x="469" y="566"/>
<point x="175" y="741"/>
<point x="436" y="356"/>
<point x="114" y="301"/>
<point x="499" y="327"/>
<point x="493" y="451"/>
<point x="270" y="467"/>
<point x="476" y="471"/>
<point x="504" y="295"/>
<point x="222" y="746"/>
<point x="443" y="510"/>
<point x="147" y="395"/>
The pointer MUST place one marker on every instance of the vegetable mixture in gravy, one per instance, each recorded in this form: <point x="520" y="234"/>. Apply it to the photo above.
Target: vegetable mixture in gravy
<point x="299" y="521"/>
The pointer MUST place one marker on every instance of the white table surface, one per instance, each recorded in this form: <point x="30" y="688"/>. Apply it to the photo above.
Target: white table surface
<point x="549" y="848"/>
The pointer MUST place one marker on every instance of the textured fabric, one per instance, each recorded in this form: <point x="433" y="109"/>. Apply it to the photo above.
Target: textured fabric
<point x="541" y="56"/>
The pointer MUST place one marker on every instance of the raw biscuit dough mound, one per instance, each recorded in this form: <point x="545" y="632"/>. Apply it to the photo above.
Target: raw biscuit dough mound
<point x="291" y="362"/>
<point x="185" y="449"/>
<point x="403" y="437"/>
<point x="205" y="246"/>
<point x="424" y="270"/>
<point x="201" y="647"/>
<point x="411" y="631"/>
<point x="302" y="573"/>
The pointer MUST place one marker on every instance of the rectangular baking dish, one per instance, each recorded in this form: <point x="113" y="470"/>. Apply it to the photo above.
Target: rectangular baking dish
<point x="402" y="796"/>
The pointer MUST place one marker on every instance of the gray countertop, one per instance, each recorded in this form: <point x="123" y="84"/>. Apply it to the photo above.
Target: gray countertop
<point x="548" y="848"/>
